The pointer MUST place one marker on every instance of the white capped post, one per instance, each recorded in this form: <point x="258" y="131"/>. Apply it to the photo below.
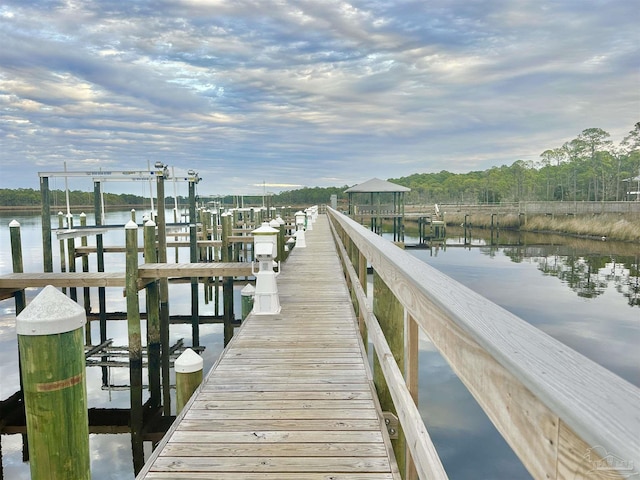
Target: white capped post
<point x="265" y="245"/>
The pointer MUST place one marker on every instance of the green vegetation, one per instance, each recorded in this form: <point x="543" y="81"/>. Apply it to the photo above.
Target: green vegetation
<point x="588" y="168"/>
<point x="28" y="197"/>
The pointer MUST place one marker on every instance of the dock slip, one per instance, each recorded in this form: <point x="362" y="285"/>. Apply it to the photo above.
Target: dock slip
<point x="291" y="396"/>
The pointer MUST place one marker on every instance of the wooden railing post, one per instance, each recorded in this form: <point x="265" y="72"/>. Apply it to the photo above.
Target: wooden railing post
<point x="362" y="276"/>
<point x="390" y="314"/>
<point x="412" y="340"/>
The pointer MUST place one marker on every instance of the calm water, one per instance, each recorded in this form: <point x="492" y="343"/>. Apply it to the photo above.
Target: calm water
<point x="582" y="293"/>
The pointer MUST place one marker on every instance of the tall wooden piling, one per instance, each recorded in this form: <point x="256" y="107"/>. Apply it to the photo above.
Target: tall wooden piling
<point x="47" y="250"/>
<point x="188" y="368"/>
<point x="85" y="268"/>
<point x="102" y="294"/>
<point x="164" y="291"/>
<point x="16" y="258"/>
<point x="50" y="341"/>
<point x="390" y="314"/>
<point x="153" y="318"/>
<point x="63" y="254"/>
<point x="71" y="260"/>
<point x="195" y="320"/>
<point x="135" y="343"/>
<point x="227" y="282"/>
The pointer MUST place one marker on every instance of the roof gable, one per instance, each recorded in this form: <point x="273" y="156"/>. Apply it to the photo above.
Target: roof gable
<point x="375" y="185"/>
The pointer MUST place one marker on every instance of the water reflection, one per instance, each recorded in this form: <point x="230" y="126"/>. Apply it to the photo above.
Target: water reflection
<point x="581" y="292"/>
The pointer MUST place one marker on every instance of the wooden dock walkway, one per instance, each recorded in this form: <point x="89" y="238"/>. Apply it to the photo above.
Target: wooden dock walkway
<point x="291" y="397"/>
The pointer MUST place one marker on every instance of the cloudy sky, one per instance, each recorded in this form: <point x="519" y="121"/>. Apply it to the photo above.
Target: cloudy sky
<point x="309" y="92"/>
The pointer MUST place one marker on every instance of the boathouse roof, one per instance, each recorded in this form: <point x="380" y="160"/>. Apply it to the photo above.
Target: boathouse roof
<point x="375" y="185"/>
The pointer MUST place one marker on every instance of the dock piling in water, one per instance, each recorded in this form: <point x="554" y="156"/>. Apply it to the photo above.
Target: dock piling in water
<point x="188" y="366"/>
<point x="51" y="346"/>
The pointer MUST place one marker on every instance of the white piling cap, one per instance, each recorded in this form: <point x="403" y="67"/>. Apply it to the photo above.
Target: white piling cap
<point x="50" y="313"/>
<point x="131" y="225"/>
<point x="188" y="362"/>
<point x="248" y="290"/>
<point x="149" y="223"/>
<point x="14" y="223"/>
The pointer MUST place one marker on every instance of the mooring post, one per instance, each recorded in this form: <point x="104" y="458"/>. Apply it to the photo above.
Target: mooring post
<point x="164" y="289"/>
<point x="188" y="367"/>
<point x="102" y="294"/>
<point x="47" y="250"/>
<point x="153" y="318"/>
<point x="227" y="282"/>
<point x="85" y="268"/>
<point x="51" y="346"/>
<point x="247" y="295"/>
<point x="135" y="343"/>
<point x="195" y="321"/>
<point x="16" y="257"/>
<point x="63" y="254"/>
<point x="390" y="314"/>
<point x="71" y="254"/>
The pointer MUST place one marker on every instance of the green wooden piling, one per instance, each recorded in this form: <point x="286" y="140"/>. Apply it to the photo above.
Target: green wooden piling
<point x="135" y="343"/>
<point x="63" y="253"/>
<point x="247" y="296"/>
<point x="227" y="282"/>
<point x="102" y="295"/>
<point x="153" y="318"/>
<point x="50" y="341"/>
<point x="390" y="315"/>
<point x="16" y="257"/>
<point x="47" y="250"/>
<point x="188" y="368"/>
<point x="71" y="254"/>
<point x="85" y="268"/>
<point x="195" y="321"/>
<point x="164" y="292"/>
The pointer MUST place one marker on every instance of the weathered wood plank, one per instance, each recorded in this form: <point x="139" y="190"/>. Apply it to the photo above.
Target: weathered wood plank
<point x="65" y="279"/>
<point x="369" y="430"/>
<point x="269" y="476"/>
<point x="217" y="269"/>
<point x="272" y="464"/>
<point x="230" y="449"/>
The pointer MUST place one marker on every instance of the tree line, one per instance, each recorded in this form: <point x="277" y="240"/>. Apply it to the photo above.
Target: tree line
<point x="28" y="197"/>
<point x="589" y="167"/>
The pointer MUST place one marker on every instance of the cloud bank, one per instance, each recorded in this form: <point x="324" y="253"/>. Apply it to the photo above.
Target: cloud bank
<point x="316" y="93"/>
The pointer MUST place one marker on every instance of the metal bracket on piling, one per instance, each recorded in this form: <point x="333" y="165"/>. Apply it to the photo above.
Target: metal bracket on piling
<point x="391" y="422"/>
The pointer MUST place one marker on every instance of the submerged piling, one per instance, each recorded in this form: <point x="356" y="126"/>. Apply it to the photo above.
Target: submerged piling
<point x="51" y="346"/>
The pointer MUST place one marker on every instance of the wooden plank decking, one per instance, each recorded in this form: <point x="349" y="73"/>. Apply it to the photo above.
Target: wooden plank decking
<point x="291" y="396"/>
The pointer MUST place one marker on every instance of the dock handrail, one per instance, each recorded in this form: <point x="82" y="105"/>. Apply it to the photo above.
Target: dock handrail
<point x="561" y="413"/>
